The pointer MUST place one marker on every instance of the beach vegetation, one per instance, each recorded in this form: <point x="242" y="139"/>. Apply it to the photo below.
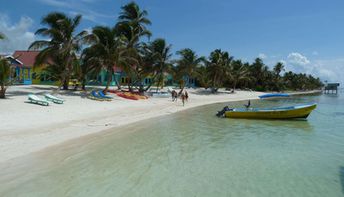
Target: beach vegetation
<point x="187" y="66"/>
<point x="5" y="72"/>
<point x="126" y="50"/>
<point x="160" y="54"/>
<point x="63" y="43"/>
<point x="5" y="81"/>
<point x="106" y="51"/>
<point x="218" y="68"/>
<point x="238" y="73"/>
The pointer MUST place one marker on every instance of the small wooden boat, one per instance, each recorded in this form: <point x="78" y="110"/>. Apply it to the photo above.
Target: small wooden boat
<point x="298" y="111"/>
<point x="273" y="95"/>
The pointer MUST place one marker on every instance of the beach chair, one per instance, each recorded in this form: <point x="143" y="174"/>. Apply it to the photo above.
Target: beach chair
<point x="37" y="100"/>
<point x="102" y="95"/>
<point x="95" y="96"/>
<point x="54" y="99"/>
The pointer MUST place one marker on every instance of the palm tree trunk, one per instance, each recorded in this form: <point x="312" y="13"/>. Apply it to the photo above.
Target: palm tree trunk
<point x="157" y="85"/>
<point x="2" y="91"/>
<point x="234" y="85"/>
<point x="213" y="89"/>
<point x="108" y="82"/>
<point x="117" y="84"/>
<point x="83" y="84"/>
<point x="65" y="84"/>
<point x="69" y="68"/>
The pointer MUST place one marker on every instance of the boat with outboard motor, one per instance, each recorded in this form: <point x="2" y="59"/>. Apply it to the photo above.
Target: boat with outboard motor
<point x="291" y="112"/>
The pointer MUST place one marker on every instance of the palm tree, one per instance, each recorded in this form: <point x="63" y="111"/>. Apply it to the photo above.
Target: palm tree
<point x="89" y="66"/>
<point x="238" y="72"/>
<point x="218" y="68"/>
<point x="259" y="72"/>
<point x="187" y="65"/>
<point x="161" y="53"/>
<point x="107" y="51"/>
<point x="64" y="42"/>
<point x="132" y="23"/>
<point x="152" y="60"/>
<point x="278" y="68"/>
<point x="5" y="71"/>
<point x="202" y="77"/>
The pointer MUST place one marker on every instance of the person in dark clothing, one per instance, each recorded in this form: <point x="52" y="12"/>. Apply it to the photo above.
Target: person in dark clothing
<point x="248" y="105"/>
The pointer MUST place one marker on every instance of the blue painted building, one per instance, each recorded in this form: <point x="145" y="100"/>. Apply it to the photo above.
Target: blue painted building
<point x="20" y="73"/>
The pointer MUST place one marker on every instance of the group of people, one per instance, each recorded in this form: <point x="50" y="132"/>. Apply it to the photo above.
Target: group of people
<point x="183" y="94"/>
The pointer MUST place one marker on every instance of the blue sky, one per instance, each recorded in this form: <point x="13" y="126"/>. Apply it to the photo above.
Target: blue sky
<point x="307" y="36"/>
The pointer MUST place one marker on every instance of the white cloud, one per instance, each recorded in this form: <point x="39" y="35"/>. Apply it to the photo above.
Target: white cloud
<point x="75" y="7"/>
<point x="326" y="69"/>
<point x="262" y="56"/>
<point x="18" y="35"/>
<point x="56" y="3"/>
<point x="298" y="59"/>
<point x="330" y="70"/>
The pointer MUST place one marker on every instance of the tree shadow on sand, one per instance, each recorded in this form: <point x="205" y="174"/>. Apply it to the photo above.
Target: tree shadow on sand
<point x="202" y="91"/>
<point x="41" y="90"/>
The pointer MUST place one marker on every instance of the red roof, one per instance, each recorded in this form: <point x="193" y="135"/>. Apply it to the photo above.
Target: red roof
<point x="28" y="58"/>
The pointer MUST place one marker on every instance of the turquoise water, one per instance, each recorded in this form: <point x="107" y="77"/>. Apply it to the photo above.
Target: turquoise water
<point x="193" y="153"/>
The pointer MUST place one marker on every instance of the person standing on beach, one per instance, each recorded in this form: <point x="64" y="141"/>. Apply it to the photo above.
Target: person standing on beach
<point x="186" y="95"/>
<point x="183" y="97"/>
<point x="174" y="95"/>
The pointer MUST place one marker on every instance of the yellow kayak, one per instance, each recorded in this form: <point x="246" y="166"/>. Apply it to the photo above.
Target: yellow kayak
<point x="299" y="111"/>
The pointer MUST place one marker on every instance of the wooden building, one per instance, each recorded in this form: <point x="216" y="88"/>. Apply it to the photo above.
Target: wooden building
<point x="331" y="88"/>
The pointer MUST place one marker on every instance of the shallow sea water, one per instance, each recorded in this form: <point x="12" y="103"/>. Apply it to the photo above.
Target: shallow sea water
<point x="194" y="153"/>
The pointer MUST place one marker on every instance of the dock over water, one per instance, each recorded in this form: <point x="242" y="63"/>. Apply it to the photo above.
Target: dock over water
<point x="331" y="88"/>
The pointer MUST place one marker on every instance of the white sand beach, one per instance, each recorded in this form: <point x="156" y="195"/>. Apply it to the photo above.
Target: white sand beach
<point x="27" y="128"/>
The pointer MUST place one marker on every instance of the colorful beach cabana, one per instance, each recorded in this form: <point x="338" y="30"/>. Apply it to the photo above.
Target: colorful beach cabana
<point x="24" y="71"/>
<point x="20" y="73"/>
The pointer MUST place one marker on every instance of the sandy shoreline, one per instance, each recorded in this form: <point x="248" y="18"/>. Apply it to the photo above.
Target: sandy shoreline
<point x="28" y="128"/>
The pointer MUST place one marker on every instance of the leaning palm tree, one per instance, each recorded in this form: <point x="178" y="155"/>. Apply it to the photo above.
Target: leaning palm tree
<point x="107" y="51"/>
<point x="5" y="71"/>
<point x="63" y="42"/>
<point x="187" y="65"/>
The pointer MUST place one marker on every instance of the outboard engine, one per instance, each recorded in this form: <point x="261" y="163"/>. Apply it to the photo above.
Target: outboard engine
<point x="222" y="112"/>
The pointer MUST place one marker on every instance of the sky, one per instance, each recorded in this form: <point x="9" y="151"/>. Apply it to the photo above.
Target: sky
<point x="306" y="35"/>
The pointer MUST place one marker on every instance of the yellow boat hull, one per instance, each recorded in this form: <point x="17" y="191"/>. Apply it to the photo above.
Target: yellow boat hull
<point x="278" y="113"/>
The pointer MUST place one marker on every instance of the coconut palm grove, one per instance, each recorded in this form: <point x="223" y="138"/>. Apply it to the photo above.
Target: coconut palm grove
<point x="129" y="46"/>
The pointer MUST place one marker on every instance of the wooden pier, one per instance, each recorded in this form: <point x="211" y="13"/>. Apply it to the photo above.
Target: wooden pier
<point x="331" y="88"/>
